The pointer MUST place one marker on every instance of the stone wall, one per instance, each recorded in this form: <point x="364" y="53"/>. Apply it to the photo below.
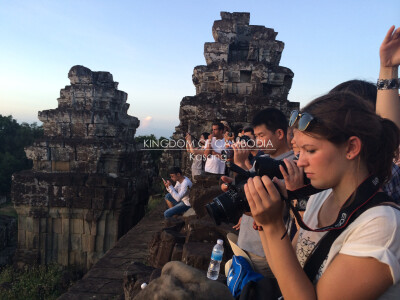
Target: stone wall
<point x="242" y="77"/>
<point x="3" y="199"/>
<point x="84" y="191"/>
<point x="8" y="239"/>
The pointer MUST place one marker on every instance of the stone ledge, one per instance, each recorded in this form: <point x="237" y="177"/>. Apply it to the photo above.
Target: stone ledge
<point x="105" y="279"/>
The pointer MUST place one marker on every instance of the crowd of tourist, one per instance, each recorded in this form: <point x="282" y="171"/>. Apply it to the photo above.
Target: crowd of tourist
<point x="345" y="144"/>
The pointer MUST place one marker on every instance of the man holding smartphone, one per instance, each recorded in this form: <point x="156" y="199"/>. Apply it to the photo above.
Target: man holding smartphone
<point x="177" y="198"/>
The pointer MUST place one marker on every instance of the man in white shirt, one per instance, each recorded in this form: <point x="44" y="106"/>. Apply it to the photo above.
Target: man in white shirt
<point x="214" y="145"/>
<point x="178" y="197"/>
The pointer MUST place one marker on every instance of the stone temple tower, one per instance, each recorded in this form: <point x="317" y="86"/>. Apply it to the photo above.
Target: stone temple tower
<point x="242" y="77"/>
<point x="85" y="189"/>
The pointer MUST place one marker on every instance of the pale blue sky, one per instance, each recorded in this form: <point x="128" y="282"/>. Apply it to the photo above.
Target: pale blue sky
<point x="151" y="48"/>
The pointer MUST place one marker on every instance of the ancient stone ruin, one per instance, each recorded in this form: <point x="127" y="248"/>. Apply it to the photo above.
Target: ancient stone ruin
<point x="242" y="77"/>
<point x="85" y="189"/>
<point x="8" y="239"/>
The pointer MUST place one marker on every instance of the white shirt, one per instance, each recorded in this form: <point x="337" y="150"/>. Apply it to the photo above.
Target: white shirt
<point x="214" y="164"/>
<point x="197" y="163"/>
<point x="375" y="233"/>
<point x="181" y="191"/>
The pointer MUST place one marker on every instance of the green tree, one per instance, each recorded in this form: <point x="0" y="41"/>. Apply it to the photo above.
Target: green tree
<point x="151" y="143"/>
<point x="14" y="138"/>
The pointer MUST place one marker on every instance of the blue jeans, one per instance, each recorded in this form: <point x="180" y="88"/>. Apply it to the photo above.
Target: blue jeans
<point x="178" y="209"/>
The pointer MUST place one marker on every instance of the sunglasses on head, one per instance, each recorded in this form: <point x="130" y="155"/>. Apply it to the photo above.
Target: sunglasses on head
<point x="304" y="120"/>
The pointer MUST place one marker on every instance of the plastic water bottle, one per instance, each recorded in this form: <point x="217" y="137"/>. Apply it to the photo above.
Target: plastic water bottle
<point x="216" y="258"/>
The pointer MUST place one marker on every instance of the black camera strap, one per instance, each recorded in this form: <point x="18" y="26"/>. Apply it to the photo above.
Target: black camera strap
<point x="322" y="249"/>
<point x="366" y="196"/>
<point x="363" y="194"/>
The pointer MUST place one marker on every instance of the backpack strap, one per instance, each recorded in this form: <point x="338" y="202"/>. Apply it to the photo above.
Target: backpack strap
<point x="321" y="251"/>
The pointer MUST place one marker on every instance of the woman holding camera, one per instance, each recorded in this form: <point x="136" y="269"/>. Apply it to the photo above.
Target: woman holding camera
<point x="346" y="149"/>
<point x="197" y="153"/>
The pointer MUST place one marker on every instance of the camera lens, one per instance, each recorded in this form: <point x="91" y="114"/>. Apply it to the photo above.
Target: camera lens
<point x="228" y="207"/>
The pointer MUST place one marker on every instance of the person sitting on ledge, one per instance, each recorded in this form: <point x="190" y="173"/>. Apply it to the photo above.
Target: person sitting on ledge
<point x="178" y="197"/>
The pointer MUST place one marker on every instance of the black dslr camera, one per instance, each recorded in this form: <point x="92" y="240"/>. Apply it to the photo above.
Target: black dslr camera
<point x="228" y="153"/>
<point x="229" y="207"/>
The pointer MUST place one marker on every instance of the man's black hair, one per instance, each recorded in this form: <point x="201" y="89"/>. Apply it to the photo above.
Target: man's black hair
<point x="205" y="134"/>
<point x="248" y="129"/>
<point x="175" y="170"/>
<point x="272" y="118"/>
<point x="219" y="124"/>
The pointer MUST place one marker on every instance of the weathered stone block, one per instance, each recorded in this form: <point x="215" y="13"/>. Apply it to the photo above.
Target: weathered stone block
<point x="22" y="224"/>
<point x="60" y="202"/>
<point x="43" y="237"/>
<point x="262" y="33"/>
<point x="85" y="242"/>
<point x="179" y="281"/>
<point x="216" y="52"/>
<point x="76" y="242"/>
<point x="36" y="225"/>
<point x="36" y="153"/>
<point x="244" y="88"/>
<point x="197" y="254"/>
<point x="78" y="129"/>
<point x="241" y="18"/>
<point x="80" y="75"/>
<point x="60" y="166"/>
<point x="92" y="244"/>
<point x="21" y="238"/>
<point x="87" y="227"/>
<point x="101" y="226"/>
<point x="62" y="154"/>
<point x="168" y="239"/>
<point x="177" y="252"/>
<point x="77" y="226"/>
<point x="136" y="274"/>
<point x="32" y="240"/>
<point x="29" y="224"/>
<point x="65" y="234"/>
<point x="99" y="243"/>
<point x="42" y="165"/>
<point x="224" y="32"/>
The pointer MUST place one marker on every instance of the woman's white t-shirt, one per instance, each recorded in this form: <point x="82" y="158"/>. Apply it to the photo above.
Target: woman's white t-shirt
<point x="197" y="164"/>
<point x="375" y="233"/>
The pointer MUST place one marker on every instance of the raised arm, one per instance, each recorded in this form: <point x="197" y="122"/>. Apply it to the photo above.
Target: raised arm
<point x="208" y="148"/>
<point x="189" y="146"/>
<point x="387" y="102"/>
<point x="241" y="156"/>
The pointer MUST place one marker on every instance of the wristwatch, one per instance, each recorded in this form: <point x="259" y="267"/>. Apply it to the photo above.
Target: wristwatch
<point x="387" y="84"/>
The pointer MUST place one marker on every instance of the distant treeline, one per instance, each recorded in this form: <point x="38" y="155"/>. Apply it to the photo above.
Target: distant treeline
<point x="147" y="142"/>
<point x="13" y="138"/>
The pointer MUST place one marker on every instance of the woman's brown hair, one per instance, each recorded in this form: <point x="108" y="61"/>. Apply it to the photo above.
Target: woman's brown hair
<point x="340" y="115"/>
